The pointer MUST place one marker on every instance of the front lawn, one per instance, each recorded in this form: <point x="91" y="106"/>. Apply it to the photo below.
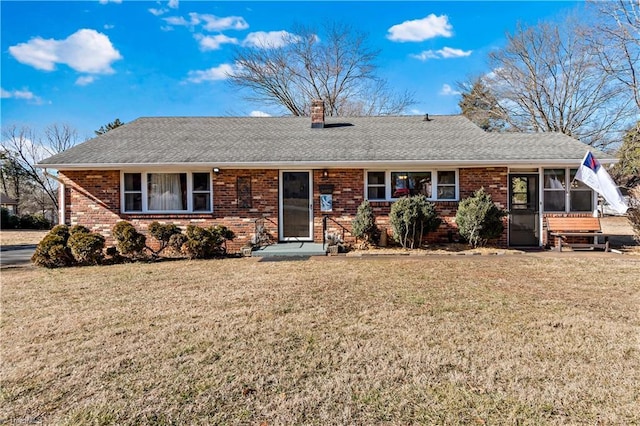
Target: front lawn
<point x="514" y="339"/>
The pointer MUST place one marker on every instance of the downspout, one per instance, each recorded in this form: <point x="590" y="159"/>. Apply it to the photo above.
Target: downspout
<point x="61" y="197"/>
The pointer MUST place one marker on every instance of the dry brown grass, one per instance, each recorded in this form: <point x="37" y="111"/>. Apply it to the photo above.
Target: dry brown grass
<point x="21" y="237"/>
<point x="519" y="339"/>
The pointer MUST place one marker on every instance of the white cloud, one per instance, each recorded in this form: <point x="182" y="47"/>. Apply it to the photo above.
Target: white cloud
<point x="259" y="114"/>
<point x="208" y="22"/>
<point x="421" y="29"/>
<point x="173" y="4"/>
<point x="84" y="80"/>
<point x="108" y="26"/>
<point x="109" y="1"/>
<point x="212" y="74"/>
<point x="267" y="40"/>
<point x="214" y="42"/>
<point x="444" y="53"/>
<point x="157" y="12"/>
<point x="214" y="23"/>
<point x="20" y="94"/>
<point x="447" y="90"/>
<point x="85" y="51"/>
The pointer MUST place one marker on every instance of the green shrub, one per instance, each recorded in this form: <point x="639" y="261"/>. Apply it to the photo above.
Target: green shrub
<point x="52" y="251"/>
<point x="86" y="247"/>
<point x="412" y="218"/>
<point x="33" y="221"/>
<point x="129" y="241"/>
<point x="479" y="219"/>
<point x="163" y="233"/>
<point x="7" y="220"/>
<point x="363" y="225"/>
<point x="79" y="229"/>
<point x="203" y="243"/>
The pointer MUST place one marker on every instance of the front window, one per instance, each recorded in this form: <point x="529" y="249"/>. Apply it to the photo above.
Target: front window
<point x="562" y="193"/>
<point x="167" y="192"/>
<point x="390" y="185"/>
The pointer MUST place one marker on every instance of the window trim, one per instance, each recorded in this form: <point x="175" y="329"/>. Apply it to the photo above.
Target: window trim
<point x="145" y="192"/>
<point x="567" y="190"/>
<point x="434" y="183"/>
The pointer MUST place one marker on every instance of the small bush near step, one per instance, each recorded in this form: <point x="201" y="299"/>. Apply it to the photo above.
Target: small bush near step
<point x="364" y="226"/>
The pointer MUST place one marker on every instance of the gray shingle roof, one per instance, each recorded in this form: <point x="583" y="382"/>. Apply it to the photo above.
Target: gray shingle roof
<point x="269" y="141"/>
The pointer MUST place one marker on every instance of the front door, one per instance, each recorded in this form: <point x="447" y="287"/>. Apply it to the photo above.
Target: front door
<point x="524" y="211"/>
<point x="296" y="206"/>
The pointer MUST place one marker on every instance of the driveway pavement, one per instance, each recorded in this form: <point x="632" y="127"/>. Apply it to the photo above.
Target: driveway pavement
<point x="16" y="255"/>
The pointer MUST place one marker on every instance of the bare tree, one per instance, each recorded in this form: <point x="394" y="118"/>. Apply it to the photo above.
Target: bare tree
<point x="24" y="148"/>
<point x="338" y="68"/>
<point x="547" y="80"/>
<point x="615" y="41"/>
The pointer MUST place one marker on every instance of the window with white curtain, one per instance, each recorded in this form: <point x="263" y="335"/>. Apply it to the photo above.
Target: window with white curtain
<point x="167" y="192"/>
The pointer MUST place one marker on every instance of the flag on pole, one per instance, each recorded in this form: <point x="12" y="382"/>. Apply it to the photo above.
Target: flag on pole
<point x="594" y="175"/>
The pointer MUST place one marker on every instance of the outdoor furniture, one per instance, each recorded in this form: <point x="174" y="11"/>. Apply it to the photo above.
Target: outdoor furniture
<point x="565" y="229"/>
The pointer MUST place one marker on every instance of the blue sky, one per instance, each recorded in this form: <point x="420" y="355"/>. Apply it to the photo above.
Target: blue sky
<point x="87" y="63"/>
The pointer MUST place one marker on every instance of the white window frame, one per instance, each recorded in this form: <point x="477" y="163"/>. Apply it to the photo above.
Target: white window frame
<point x="566" y="192"/>
<point x="145" y="199"/>
<point x="434" y="182"/>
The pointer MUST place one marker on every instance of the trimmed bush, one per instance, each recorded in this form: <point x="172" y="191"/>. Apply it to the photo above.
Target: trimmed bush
<point x="411" y="219"/>
<point x="163" y="233"/>
<point x="479" y="219"/>
<point x="86" y="247"/>
<point x="52" y="251"/>
<point x="202" y="243"/>
<point x="129" y="241"/>
<point x="363" y="225"/>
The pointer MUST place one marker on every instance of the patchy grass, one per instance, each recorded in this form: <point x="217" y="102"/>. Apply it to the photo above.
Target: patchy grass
<point x="21" y="237"/>
<point x="433" y="340"/>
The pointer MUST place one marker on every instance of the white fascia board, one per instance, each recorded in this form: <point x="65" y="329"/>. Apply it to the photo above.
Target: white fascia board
<point x="305" y="165"/>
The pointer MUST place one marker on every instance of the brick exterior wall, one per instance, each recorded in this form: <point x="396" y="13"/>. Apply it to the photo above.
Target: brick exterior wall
<point x="92" y="199"/>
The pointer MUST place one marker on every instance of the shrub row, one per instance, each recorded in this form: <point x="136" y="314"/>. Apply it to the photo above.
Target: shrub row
<point x="412" y="218"/>
<point x="64" y="246"/>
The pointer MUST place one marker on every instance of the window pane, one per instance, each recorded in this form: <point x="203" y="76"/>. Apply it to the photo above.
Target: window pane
<point x="375" y="178"/>
<point x="410" y="183"/>
<point x="375" y="193"/>
<point x="447" y="178"/>
<point x="132" y="182"/>
<point x="446" y="192"/>
<point x="133" y="202"/>
<point x="554" y="179"/>
<point x="167" y="191"/>
<point x="576" y="183"/>
<point x="581" y="201"/>
<point x="201" y="181"/>
<point x="554" y="201"/>
<point x="201" y="202"/>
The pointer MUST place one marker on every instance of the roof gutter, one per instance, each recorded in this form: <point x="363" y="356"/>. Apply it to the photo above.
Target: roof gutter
<point x="323" y="164"/>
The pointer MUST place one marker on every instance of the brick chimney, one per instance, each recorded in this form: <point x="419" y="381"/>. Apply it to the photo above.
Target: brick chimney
<point x="317" y="114"/>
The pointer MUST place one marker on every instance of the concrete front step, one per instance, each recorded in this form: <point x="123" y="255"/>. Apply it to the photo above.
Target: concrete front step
<point x="290" y="249"/>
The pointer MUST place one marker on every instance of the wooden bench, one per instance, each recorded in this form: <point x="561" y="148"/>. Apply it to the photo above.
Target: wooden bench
<point x="564" y="227"/>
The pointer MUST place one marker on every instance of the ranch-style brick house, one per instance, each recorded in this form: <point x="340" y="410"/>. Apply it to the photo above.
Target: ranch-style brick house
<point x="288" y="173"/>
